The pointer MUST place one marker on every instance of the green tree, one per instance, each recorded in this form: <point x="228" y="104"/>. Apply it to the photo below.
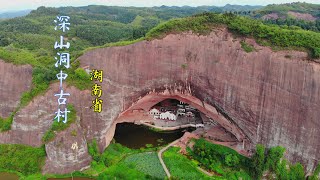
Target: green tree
<point x="316" y="174"/>
<point x="296" y="172"/>
<point x="282" y="170"/>
<point x="258" y="159"/>
<point x="273" y="157"/>
<point x="231" y="160"/>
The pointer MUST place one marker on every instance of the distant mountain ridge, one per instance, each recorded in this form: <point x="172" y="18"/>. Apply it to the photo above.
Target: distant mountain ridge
<point x="13" y="14"/>
<point x="187" y="10"/>
<point x="229" y="7"/>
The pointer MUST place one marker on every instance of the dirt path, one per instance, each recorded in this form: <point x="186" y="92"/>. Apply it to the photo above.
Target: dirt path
<point x="204" y="171"/>
<point x="161" y="160"/>
<point x="164" y="165"/>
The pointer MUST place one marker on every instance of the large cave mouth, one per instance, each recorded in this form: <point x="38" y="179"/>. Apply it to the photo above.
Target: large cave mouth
<point x="206" y="118"/>
<point x="171" y="113"/>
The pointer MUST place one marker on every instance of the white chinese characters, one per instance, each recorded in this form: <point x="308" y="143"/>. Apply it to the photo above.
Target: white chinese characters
<point x="64" y="23"/>
<point x="62" y="61"/>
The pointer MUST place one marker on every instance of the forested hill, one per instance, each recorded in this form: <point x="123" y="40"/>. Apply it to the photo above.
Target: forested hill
<point x="94" y="25"/>
<point x="302" y="15"/>
<point x="298" y="7"/>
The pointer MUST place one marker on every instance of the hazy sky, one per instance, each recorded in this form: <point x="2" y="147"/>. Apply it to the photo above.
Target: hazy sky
<point x="12" y="5"/>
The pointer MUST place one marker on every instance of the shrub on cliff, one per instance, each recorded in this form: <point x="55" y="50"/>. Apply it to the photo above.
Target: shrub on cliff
<point x="258" y="159"/>
<point x="296" y="172"/>
<point x="316" y="174"/>
<point x="282" y="170"/>
<point x="273" y="157"/>
<point x="60" y="126"/>
<point x="80" y="78"/>
<point x="286" y="171"/>
<point x="231" y="160"/>
<point x="94" y="150"/>
<point x="5" y="124"/>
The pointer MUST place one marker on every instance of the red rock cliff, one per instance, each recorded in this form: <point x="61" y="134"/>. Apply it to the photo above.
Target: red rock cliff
<point x="272" y="97"/>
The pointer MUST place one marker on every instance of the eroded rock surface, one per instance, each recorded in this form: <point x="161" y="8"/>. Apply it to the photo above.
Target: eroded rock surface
<point x="34" y="120"/>
<point x="67" y="152"/>
<point x="14" y="80"/>
<point x="272" y="96"/>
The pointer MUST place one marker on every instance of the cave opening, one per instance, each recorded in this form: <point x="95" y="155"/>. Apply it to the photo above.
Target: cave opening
<point x="205" y="118"/>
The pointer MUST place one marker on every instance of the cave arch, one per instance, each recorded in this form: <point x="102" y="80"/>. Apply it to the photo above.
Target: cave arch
<point x="140" y="110"/>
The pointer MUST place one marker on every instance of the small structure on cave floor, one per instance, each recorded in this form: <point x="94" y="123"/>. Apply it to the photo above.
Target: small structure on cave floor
<point x="168" y="116"/>
<point x="155" y="112"/>
<point x="190" y="114"/>
<point x="181" y="112"/>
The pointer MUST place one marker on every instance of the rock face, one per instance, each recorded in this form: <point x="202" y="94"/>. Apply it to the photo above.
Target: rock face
<point x="14" y="80"/>
<point x="272" y="97"/>
<point x="302" y="16"/>
<point x="67" y="152"/>
<point x="32" y="122"/>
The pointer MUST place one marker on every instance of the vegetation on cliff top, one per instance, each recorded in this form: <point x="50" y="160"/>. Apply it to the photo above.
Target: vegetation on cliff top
<point x="271" y="35"/>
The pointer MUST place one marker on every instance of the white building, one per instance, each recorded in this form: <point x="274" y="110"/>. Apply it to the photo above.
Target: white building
<point x="190" y="114"/>
<point x="199" y="125"/>
<point x="181" y="112"/>
<point x="154" y="111"/>
<point x="180" y="105"/>
<point x="168" y="115"/>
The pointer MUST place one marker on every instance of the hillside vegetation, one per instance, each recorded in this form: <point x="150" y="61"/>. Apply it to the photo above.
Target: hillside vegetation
<point x="30" y="39"/>
<point x="300" y="7"/>
<point x="271" y="35"/>
<point x="297" y="15"/>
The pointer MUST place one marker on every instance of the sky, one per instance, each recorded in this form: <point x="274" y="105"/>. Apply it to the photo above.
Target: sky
<point x="16" y="5"/>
